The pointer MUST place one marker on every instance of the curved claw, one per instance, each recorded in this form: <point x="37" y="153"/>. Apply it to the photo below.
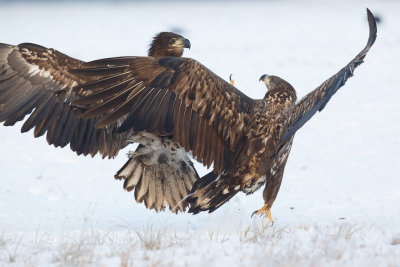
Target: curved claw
<point x="255" y="212"/>
<point x="264" y="211"/>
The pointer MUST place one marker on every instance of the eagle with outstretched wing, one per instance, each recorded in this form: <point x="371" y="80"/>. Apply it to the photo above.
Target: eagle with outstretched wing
<point x="172" y="106"/>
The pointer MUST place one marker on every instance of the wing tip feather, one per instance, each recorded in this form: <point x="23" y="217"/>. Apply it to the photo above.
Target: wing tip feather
<point x="372" y="28"/>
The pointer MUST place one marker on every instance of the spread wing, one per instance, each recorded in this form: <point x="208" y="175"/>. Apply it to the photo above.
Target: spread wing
<point x="35" y="80"/>
<point x="317" y="99"/>
<point x="169" y="96"/>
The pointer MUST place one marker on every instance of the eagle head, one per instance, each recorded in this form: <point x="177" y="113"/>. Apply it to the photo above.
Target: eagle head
<point x="271" y="82"/>
<point x="168" y="44"/>
<point x="276" y="84"/>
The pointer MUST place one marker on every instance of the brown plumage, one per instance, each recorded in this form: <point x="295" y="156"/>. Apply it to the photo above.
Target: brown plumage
<point x="168" y="44"/>
<point x="39" y="81"/>
<point x="173" y="105"/>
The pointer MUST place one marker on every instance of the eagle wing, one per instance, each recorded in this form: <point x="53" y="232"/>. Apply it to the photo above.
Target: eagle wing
<point x="35" y="80"/>
<point x="168" y="96"/>
<point x="317" y="99"/>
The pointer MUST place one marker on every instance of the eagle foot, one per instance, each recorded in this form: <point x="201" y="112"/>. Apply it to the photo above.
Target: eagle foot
<point x="264" y="211"/>
<point x="231" y="81"/>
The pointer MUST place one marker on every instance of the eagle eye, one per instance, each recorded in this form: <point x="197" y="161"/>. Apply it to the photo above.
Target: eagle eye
<point x="172" y="40"/>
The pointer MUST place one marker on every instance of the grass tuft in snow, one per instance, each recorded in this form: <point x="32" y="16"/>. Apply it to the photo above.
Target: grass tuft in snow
<point x="258" y="244"/>
<point x="150" y="239"/>
<point x="9" y="248"/>
<point x="395" y="240"/>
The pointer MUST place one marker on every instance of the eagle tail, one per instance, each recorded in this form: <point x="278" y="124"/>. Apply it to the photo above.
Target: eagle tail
<point x="159" y="179"/>
<point x="210" y="192"/>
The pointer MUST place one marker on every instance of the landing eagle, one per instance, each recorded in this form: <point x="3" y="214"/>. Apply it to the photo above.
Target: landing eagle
<point x="172" y="106"/>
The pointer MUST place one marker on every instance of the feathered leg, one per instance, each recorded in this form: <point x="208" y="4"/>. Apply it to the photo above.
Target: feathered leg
<point x="210" y="192"/>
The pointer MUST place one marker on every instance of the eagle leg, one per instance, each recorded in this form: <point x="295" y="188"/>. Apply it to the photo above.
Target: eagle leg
<point x="265" y="210"/>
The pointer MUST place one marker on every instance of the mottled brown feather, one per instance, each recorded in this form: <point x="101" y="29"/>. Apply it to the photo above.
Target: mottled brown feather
<point x="36" y="81"/>
<point x="203" y="98"/>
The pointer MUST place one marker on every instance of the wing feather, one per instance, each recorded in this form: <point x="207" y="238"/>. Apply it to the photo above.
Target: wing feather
<point x="200" y="111"/>
<point x="38" y="82"/>
<point x="77" y="138"/>
<point x="317" y="99"/>
<point x="71" y="125"/>
<point x="25" y="108"/>
<point x="57" y="126"/>
<point x="52" y="113"/>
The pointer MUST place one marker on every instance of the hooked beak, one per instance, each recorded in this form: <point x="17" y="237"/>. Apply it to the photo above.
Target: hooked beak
<point x="186" y="43"/>
<point x="266" y="79"/>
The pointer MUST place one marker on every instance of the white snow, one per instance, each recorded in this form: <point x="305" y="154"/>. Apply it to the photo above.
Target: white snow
<point x="339" y="204"/>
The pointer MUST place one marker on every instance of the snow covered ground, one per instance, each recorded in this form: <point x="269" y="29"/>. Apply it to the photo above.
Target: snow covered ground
<point x="339" y="203"/>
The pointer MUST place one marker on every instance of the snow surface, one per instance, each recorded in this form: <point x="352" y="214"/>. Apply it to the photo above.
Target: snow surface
<point x="339" y="203"/>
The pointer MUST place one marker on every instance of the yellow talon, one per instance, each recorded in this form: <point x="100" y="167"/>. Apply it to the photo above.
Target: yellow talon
<point x="264" y="210"/>
<point x="232" y="82"/>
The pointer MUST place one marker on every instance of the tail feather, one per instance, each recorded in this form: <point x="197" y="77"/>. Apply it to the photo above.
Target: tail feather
<point x="210" y="192"/>
<point x="160" y="177"/>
